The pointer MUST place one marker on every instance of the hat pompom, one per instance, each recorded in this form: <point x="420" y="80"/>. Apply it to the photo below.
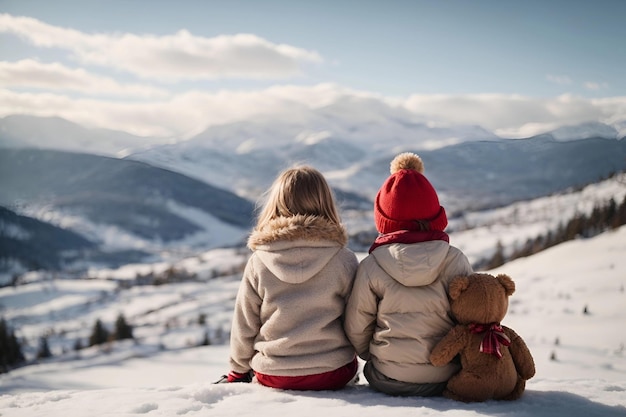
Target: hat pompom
<point x="407" y="160"/>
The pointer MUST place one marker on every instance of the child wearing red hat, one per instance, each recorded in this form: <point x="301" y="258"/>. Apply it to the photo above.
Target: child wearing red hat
<point x="398" y="309"/>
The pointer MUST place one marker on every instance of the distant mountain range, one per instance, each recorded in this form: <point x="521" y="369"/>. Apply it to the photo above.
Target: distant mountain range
<point x="476" y="175"/>
<point x="37" y="244"/>
<point x="60" y="134"/>
<point x="473" y="174"/>
<point x="198" y="193"/>
<point x="110" y="201"/>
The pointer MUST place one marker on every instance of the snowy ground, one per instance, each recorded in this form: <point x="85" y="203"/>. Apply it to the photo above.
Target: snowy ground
<point x="588" y="377"/>
<point x="544" y="398"/>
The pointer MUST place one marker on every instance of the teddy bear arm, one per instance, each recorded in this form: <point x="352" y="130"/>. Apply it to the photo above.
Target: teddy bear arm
<point x="448" y="347"/>
<point x="521" y="355"/>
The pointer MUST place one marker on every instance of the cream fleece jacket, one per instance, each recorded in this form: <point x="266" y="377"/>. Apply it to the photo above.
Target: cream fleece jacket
<point x="288" y="318"/>
<point x="399" y="308"/>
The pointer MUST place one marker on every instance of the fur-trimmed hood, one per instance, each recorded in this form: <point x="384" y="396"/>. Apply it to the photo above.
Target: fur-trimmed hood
<point x="298" y="227"/>
<point x="296" y="248"/>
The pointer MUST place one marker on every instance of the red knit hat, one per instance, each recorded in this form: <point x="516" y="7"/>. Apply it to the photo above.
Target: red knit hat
<point x="407" y="198"/>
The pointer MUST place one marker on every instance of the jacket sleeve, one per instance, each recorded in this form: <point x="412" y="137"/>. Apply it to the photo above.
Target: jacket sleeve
<point x="246" y="322"/>
<point x="350" y="264"/>
<point x="361" y="312"/>
<point x="457" y="265"/>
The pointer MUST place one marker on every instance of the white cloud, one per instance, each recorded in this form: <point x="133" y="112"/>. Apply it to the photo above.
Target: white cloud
<point x="594" y="86"/>
<point x="172" y="57"/>
<point x="559" y="79"/>
<point x="514" y="115"/>
<point x="29" y="73"/>
<point x="179" y="116"/>
<point x="182" y="115"/>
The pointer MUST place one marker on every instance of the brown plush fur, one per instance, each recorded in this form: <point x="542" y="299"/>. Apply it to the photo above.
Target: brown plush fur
<point x="297" y="227"/>
<point x="483" y="299"/>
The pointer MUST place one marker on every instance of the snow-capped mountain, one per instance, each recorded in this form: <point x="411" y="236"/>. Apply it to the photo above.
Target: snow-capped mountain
<point x="20" y="131"/>
<point x="587" y="130"/>
<point x="365" y="123"/>
<point x="130" y="204"/>
<point x="37" y="244"/>
<point x="123" y="207"/>
<point x="472" y="174"/>
<point x="237" y="165"/>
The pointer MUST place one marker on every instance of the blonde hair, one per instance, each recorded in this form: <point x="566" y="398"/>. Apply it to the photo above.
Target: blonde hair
<point x="300" y="190"/>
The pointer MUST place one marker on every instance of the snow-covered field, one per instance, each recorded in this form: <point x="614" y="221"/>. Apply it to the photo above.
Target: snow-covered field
<point x="580" y="357"/>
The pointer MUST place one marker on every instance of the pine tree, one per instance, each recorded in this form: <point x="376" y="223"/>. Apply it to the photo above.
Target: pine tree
<point x="611" y="213"/>
<point x="206" y="341"/>
<point x="574" y="227"/>
<point x="620" y="215"/>
<point x="122" y="329"/>
<point x="44" y="349"/>
<point x="498" y="258"/>
<point x="219" y="334"/>
<point x="78" y="345"/>
<point x="10" y="349"/>
<point x="549" y="242"/>
<point x="99" y="334"/>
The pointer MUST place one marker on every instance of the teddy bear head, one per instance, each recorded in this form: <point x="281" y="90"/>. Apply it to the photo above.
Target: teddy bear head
<point x="480" y="298"/>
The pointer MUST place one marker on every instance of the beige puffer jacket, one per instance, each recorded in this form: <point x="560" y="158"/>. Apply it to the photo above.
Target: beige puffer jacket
<point x="288" y="318"/>
<point x="399" y="309"/>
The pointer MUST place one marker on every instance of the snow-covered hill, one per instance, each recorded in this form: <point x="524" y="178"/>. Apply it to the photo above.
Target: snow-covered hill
<point x="587" y="130"/>
<point x="121" y="207"/>
<point x="580" y="357"/>
<point x="477" y="233"/>
<point x="18" y="131"/>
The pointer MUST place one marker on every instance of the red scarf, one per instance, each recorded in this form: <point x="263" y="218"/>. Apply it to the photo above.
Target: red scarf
<point x="409" y="236"/>
<point x="494" y="336"/>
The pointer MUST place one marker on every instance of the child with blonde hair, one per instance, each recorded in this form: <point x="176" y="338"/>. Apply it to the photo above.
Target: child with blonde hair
<point x="399" y="308"/>
<point x="287" y="328"/>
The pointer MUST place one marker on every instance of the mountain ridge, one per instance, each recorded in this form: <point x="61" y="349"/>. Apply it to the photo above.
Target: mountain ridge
<point x="120" y="204"/>
<point x="198" y="193"/>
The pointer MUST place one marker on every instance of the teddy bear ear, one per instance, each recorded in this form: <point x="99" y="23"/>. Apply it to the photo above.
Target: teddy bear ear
<point x="457" y="286"/>
<point x="507" y="283"/>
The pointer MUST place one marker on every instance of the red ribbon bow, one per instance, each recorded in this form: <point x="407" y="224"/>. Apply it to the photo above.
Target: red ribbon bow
<point x="494" y="336"/>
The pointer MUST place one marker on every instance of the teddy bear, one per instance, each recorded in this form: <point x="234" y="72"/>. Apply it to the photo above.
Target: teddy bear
<point x="495" y="361"/>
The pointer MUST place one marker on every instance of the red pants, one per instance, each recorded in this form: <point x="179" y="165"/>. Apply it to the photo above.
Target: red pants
<point x="332" y="380"/>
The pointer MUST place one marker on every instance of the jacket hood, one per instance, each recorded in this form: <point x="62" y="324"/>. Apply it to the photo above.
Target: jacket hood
<point x="413" y="265"/>
<point x="297" y="248"/>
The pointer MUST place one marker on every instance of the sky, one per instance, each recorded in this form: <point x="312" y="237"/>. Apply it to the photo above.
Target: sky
<point x="165" y="68"/>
